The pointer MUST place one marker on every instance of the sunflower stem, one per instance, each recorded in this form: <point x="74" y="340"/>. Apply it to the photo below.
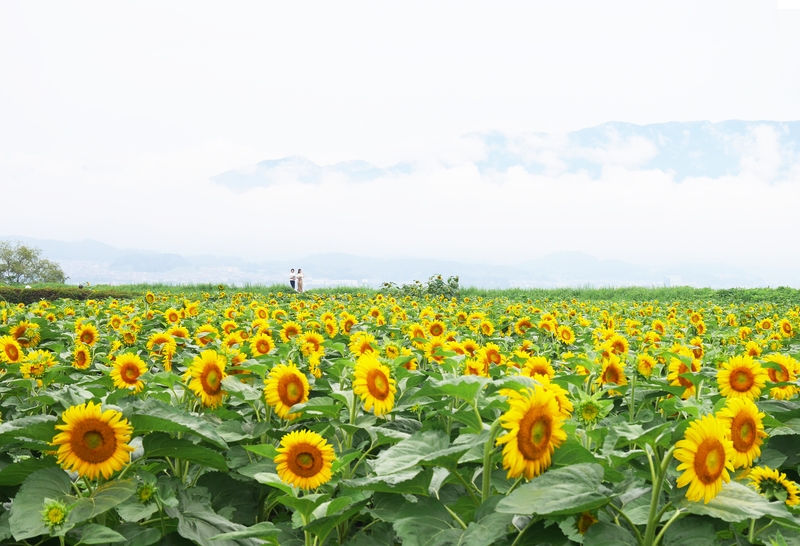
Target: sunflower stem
<point x="488" y="451"/>
<point x="88" y="485"/>
<point x="632" y="405"/>
<point x="619" y="511"/>
<point x="751" y="534"/>
<point x="652" y="519"/>
<point x="666" y="526"/>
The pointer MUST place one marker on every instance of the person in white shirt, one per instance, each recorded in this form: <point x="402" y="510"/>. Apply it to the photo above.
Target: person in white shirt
<point x="292" y="278"/>
<point x="300" y="280"/>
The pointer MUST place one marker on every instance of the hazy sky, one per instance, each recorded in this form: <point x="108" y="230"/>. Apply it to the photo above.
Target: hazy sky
<point x="114" y="115"/>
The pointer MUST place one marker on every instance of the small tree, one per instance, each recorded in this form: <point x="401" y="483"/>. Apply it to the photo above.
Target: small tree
<point x="20" y="264"/>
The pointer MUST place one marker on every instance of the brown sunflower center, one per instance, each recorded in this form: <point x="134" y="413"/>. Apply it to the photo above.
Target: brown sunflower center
<point x="741" y="380"/>
<point x="80" y="358"/>
<point x="778" y="376"/>
<point x="378" y="384"/>
<point x="534" y="434"/>
<point x="263" y="346"/>
<point x="290" y="390"/>
<point x="305" y="460"/>
<point x="211" y="379"/>
<point x="87" y="337"/>
<point x="12" y="353"/>
<point x="743" y="432"/>
<point x="130" y="373"/>
<point x="611" y="375"/>
<point x="93" y="441"/>
<point x="709" y="461"/>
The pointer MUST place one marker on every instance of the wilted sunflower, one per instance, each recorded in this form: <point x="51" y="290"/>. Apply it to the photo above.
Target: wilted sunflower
<point x="93" y="442"/>
<point x="10" y="350"/>
<point x="534" y="432"/>
<point x="126" y="372"/>
<point x="741" y="376"/>
<point x="705" y="454"/>
<point x="374" y="384"/>
<point x="304" y="459"/>
<point x="205" y="377"/>
<point x="286" y="386"/>
<point x="261" y="344"/>
<point x="744" y="422"/>
<point x="773" y="484"/>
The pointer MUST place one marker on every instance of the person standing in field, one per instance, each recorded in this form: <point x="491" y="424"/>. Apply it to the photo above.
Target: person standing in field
<point x="300" y="280"/>
<point x="292" y="278"/>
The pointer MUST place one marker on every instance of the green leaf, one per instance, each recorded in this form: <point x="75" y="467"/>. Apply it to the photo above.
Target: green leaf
<point x="321" y="406"/>
<point x="735" y="503"/>
<point x="99" y="534"/>
<point x="237" y="389"/>
<point x="339" y="510"/>
<point x="465" y="387"/>
<point x="607" y="534"/>
<point x="426" y="523"/>
<point x="237" y="499"/>
<point x="15" y="474"/>
<point x="199" y="524"/>
<point x="26" y="511"/>
<point x="102" y="499"/>
<point x="35" y="427"/>
<point x="430" y="448"/>
<point x="692" y="530"/>
<point x="268" y="451"/>
<point x="304" y="506"/>
<point x="561" y="491"/>
<point x="153" y="415"/>
<point x="273" y="480"/>
<point x="138" y="535"/>
<point x="264" y="530"/>
<point x="133" y="510"/>
<point x="414" y="482"/>
<point x="162" y="445"/>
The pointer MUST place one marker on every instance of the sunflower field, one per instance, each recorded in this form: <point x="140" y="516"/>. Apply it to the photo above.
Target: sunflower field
<point x="385" y="419"/>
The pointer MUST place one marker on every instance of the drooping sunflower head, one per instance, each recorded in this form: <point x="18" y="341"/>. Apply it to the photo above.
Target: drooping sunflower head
<point x="93" y="442"/>
<point x="304" y="459"/>
<point x="774" y="485"/>
<point x="741" y="376"/>
<point x="286" y="386"/>
<point x="205" y="377"/>
<point x="705" y="454"/>
<point x="374" y="384"/>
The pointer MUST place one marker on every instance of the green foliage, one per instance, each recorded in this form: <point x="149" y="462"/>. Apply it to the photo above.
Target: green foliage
<point x="21" y="264"/>
<point x="436" y="286"/>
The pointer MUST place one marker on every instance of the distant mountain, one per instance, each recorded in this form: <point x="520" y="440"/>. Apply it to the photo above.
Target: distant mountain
<point x="99" y="263"/>
<point x="300" y="169"/>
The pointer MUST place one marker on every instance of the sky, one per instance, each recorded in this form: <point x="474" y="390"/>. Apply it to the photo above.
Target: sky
<point x="117" y="118"/>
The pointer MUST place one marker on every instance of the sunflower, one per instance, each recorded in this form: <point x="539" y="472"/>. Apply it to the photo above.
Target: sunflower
<point x="286" y="386"/>
<point x="36" y="363"/>
<point x="618" y="344"/>
<point x="523" y="325"/>
<point x="205" y="377"/>
<point x="765" y="324"/>
<point x="149" y="298"/>
<point x="584" y="521"/>
<point x="228" y="326"/>
<point x="475" y="367"/>
<point x="311" y="342"/>
<point x="785" y="328"/>
<point x="261" y="344"/>
<point x="81" y="357"/>
<point x="773" y="484"/>
<point x="433" y="349"/>
<point x="26" y="333"/>
<point x="538" y="365"/>
<point x="87" y="334"/>
<point x="93" y="442"/>
<point x="645" y="364"/>
<point x="164" y="345"/>
<point x="486" y="327"/>
<point x="10" y="350"/>
<point x="436" y="328"/>
<point x="374" y="384"/>
<point x="180" y="333"/>
<point x="565" y="335"/>
<point x="205" y="334"/>
<point x="752" y="348"/>
<point x="534" y="425"/>
<point x="612" y="371"/>
<point x="741" y="376"/>
<point x="786" y="374"/>
<point x="705" y="454"/>
<point x="126" y="372"/>
<point x="290" y="329"/>
<point x="744" y="422"/>
<point x="304" y="459"/>
<point x="362" y="343"/>
<point x="678" y="366"/>
<point x="54" y="513"/>
<point x="172" y="315"/>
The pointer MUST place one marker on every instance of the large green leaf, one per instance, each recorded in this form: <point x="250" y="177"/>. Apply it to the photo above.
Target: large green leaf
<point x="163" y="445"/>
<point x="735" y="503"/>
<point x="35" y="427"/>
<point x="607" y="534"/>
<point x="92" y="533"/>
<point x="465" y="387"/>
<point x="561" y="491"/>
<point x="199" y="524"/>
<point x="138" y="535"/>
<point x="153" y="415"/>
<point x="426" y="523"/>
<point x="693" y="530"/>
<point x="430" y="448"/>
<point x="15" y="474"/>
<point x="237" y="499"/>
<point x="102" y="499"/>
<point x="335" y="512"/>
<point x="415" y="482"/>
<point x="26" y="511"/>
<point x="264" y="531"/>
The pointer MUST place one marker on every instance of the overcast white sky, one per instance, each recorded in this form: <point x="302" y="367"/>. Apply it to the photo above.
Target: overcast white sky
<point x="113" y="116"/>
